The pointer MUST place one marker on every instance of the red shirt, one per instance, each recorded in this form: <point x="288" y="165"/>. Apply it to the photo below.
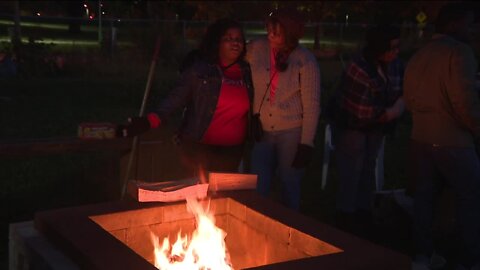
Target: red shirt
<point x="229" y="122"/>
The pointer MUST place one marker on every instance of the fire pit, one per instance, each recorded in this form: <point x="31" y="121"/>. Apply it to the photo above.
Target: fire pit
<point x="260" y="235"/>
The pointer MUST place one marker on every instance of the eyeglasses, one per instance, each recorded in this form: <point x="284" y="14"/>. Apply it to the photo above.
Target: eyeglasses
<point x="231" y="40"/>
<point x="275" y="32"/>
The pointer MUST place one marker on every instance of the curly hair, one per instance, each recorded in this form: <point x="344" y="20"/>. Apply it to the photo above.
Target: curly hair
<point x="210" y="44"/>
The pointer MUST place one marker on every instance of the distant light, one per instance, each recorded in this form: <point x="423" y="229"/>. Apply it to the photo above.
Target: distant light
<point x="91" y="17"/>
<point x="85" y="5"/>
<point x="38" y="14"/>
<point x="103" y="12"/>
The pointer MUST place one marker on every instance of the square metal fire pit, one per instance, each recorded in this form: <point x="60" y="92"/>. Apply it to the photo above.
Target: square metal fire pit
<point x="260" y="235"/>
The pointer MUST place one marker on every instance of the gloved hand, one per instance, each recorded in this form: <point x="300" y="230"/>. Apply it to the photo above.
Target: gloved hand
<point x="136" y="126"/>
<point x="303" y="156"/>
<point x="387" y="116"/>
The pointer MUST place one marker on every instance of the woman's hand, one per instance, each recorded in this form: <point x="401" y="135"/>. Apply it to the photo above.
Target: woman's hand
<point x="393" y="112"/>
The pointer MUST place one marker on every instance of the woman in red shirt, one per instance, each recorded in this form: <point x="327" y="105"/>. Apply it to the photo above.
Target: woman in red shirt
<point x="215" y="90"/>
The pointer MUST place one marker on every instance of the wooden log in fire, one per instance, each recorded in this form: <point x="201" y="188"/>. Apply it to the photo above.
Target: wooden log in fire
<point x="168" y="191"/>
<point x="231" y="181"/>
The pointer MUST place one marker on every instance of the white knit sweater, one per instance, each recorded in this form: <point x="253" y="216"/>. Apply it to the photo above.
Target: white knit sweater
<point x="297" y="96"/>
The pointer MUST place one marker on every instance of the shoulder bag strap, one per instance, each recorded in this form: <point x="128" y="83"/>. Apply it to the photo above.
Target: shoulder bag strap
<point x="266" y="90"/>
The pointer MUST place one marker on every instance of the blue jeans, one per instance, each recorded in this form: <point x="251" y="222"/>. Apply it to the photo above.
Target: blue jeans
<point x="431" y="167"/>
<point x="276" y="151"/>
<point x="356" y="154"/>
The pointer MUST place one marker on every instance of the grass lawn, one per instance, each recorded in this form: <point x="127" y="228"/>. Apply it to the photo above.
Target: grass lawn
<point x="41" y="108"/>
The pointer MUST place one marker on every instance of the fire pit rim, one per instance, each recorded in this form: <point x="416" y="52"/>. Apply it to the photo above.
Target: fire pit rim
<point x="56" y="226"/>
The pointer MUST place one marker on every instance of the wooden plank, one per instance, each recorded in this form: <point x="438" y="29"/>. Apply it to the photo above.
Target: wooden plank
<point x="231" y="181"/>
<point x="60" y="145"/>
<point x="52" y="146"/>
<point x="169" y="191"/>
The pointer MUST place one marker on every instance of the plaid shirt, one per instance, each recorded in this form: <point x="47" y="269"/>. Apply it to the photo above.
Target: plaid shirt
<point x="364" y="94"/>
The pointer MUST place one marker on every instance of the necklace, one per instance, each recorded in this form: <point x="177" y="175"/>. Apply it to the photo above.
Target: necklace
<point x="228" y="66"/>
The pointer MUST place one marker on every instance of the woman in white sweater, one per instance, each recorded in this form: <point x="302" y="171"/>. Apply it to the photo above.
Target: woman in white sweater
<point x="286" y="80"/>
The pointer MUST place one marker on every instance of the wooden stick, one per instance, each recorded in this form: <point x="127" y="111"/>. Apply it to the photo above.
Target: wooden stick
<point x="142" y="111"/>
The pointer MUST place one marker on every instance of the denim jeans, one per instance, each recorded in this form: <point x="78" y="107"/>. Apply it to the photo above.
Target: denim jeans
<point x="431" y="167"/>
<point x="356" y="154"/>
<point x="275" y="154"/>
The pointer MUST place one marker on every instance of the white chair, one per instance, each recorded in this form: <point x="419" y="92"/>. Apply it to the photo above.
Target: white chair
<point x="329" y="146"/>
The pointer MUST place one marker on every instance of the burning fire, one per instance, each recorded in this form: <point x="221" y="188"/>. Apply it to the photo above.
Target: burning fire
<point x="205" y="250"/>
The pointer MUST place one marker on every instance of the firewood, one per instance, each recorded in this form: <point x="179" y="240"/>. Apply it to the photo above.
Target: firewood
<point x="169" y="191"/>
<point x="231" y="181"/>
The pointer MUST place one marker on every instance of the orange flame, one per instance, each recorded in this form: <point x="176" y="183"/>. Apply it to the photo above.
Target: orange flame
<point x="205" y="250"/>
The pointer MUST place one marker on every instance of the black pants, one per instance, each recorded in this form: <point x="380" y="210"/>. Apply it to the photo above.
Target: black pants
<point x="210" y="158"/>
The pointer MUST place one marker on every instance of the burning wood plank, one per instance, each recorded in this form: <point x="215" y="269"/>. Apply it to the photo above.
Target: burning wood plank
<point x="231" y="181"/>
<point x="170" y="191"/>
<point x="167" y="191"/>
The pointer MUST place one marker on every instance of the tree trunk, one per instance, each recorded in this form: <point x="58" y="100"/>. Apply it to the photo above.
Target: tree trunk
<point x="74" y="11"/>
<point x="16" y="36"/>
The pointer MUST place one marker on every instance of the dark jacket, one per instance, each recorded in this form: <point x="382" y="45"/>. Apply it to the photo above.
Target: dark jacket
<point x="197" y="90"/>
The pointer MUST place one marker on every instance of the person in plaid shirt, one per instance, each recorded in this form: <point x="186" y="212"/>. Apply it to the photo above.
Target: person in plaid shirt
<point x="366" y="94"/>
<point x="365" y="107"/>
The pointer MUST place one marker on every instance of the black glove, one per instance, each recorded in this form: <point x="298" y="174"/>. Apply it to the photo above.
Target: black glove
<point x="136" y="126"/>
<point x="303" y="156"/>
